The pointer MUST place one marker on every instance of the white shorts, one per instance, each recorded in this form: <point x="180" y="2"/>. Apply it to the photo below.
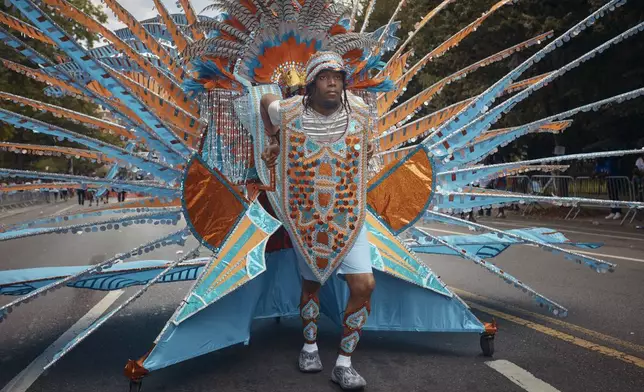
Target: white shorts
<point x="357" y="260"/>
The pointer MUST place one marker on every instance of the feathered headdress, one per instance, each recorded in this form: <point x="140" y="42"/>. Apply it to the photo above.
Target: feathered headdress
<point x="271" y="41"/>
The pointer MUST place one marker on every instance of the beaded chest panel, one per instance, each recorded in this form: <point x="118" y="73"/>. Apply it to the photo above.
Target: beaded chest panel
<point x="323" y="188"/>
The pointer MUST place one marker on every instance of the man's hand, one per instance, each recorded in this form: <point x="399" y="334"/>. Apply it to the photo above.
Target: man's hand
<point x="370" y="150"/>
<point x="270" y="154"/>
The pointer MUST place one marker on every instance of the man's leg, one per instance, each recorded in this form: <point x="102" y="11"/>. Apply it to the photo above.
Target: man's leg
<point x="310" y="312"/>
<point x="309" y="359"/>
<point x="355" y="317"/>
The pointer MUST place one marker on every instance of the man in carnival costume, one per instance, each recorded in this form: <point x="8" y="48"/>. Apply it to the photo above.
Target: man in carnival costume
<point x="329" y="115"/>
<point x="311" y="180"/>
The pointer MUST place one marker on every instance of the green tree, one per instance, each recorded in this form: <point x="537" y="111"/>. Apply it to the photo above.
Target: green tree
<point x="18" y="84"/>
<point x="617" y="70"/>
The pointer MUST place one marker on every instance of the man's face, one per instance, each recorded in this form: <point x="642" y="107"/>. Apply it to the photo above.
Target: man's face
<point x="328" y="89"/>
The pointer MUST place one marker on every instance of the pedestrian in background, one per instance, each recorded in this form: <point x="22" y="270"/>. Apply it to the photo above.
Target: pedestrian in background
<point x="605" y="168"/>
<point x="638" y="178"/>
<point x="81" y="196"/>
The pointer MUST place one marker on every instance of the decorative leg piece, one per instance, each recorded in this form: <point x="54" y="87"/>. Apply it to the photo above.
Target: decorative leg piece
<point x="309" y="360"/>
<point x="353" y="323"/>
<point x="343" y="373"/>
<point x="310" y="311"/>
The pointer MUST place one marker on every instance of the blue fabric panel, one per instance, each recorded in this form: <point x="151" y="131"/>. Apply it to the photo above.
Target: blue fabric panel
<point x="223" y="323"/>
<point x="400" y="306"/>
<point x="396" y="306"/>
<point x="281" y="295"/>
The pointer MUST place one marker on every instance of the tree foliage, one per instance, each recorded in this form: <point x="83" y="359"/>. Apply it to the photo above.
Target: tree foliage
<point x="617" y="70"/>
<point x="22" y="85"/>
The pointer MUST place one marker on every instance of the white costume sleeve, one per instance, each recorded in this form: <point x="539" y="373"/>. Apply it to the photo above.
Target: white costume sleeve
<point x="640" y="164"/>
<point x="274" y="112"/>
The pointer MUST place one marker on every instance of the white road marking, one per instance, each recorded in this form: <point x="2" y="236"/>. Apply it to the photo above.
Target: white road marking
<point x="573" y="250"/>
<point x="610" y="256"/>
<point x="30" y="374"/>
<point x="65" y="209"/>
<point x="565" y="228"/>
<point x="521" y="377"/>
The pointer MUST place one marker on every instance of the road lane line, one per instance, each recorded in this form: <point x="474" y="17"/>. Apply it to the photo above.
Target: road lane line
<point x="610" y="256"/>
<point x="66" y="208"/>
<point x="563" y="336"/>
<point x="562" y="229"/>
<point x="30" y="374"/>
<point x="574" y="250"/>
<point x="520" y="376"/>
<point x="574" y="327"/>
<point x="565" y="229"/>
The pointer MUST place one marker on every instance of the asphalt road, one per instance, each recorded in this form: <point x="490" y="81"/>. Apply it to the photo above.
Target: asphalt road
<point x="598" y="347"/>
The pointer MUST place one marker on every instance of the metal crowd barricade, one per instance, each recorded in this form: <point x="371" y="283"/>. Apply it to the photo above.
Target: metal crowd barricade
<point x="638" y="192"/>
<point x="606" y="188"/>
<point x="638" y="188"/>
<point x="9" y="200"/>
<point x="544" y="185"/>
<point x="518" y="184"/>
<point x="588" y="187"/>
<point x="622" y="188"/>
<point x="561" y="186"/>
<point x="591" y="187"/>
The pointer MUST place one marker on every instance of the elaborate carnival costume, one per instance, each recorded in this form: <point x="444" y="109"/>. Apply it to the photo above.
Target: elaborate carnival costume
<point x="236" y="207"/>
<point x="323" y="176"/>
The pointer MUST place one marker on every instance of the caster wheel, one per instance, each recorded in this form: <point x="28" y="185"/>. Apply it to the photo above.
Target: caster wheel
<point x="278" y="320"/>
<point x="487" y="345"/>
<point x="135" y="386"/>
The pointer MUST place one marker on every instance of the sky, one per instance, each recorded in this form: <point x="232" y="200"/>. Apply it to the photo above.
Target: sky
<point x="143" y="9"/>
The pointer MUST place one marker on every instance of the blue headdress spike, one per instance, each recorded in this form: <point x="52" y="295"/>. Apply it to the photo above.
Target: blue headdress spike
<point x="75" y="216"/>
<point x="98" y="323"/>
<point x="98" y="71"/>
<point x="466" y="117"/>
<point x="541" y="300"/>
<point x="470" y="198"/>
<point x="156" y="216"/>
<point x="160" y="191"/>
<point x="592" y="262"/>
<point x="161" y="170"/>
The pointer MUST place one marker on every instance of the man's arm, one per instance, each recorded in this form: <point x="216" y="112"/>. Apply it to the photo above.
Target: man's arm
<point x="264" y="103"/>
<point x="271" y="151"/>
<point x="638" y="170"/>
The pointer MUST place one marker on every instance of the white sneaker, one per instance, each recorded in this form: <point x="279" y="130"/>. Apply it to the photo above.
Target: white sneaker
<point x="617" y="215"/>
<point x="611" y="216"/>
